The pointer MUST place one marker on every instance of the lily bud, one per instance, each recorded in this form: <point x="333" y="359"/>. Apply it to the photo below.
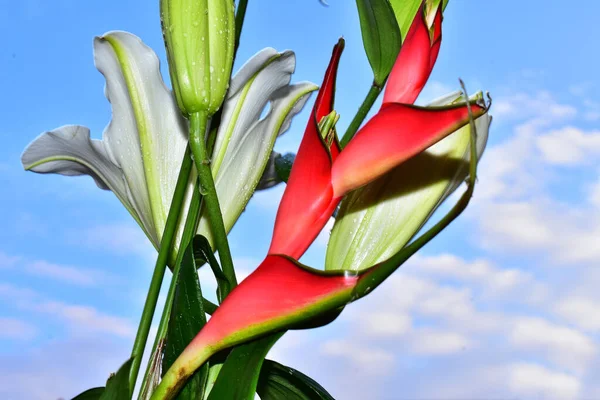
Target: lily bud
<point x="199" y="37"/>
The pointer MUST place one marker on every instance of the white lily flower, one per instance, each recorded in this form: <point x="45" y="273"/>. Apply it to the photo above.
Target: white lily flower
<point x="140" y="154"/>
<point x="379" y="219"/>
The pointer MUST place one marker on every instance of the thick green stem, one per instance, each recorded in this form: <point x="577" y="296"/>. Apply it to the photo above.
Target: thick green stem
<point x="166" y="245"/>
<point x="364" y="109"/>
<point x="189" y="230"/>
<point x="198" y="123"/>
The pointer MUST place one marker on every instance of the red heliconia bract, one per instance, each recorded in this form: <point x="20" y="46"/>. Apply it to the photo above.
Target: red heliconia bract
<point x="321" y="176"/>
<point x="416" y="59"/>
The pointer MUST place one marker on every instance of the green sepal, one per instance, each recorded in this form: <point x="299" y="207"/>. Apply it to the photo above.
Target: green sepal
<point x="117" y="385"/>
<point x="203" y="254"/>
<point x="405" y="12"/>
<point x="381" y="36"/>
<point x="239" y="376"/>
<point x="283" y="166"/>
<point x="187" y="319"/>
<point x="278" y="382"/>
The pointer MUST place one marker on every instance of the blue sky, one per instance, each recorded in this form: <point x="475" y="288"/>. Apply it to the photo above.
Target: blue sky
<point x="503" y="304"/>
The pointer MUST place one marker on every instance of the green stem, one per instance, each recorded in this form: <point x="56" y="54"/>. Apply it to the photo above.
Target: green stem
<point x="198" y="123"/>
<point x="364" y="109"/>
<point x="209" y="306"/>
<point x="240" y="14"/>
<point x="189" y="230"/>
<point x="159" y="268"/>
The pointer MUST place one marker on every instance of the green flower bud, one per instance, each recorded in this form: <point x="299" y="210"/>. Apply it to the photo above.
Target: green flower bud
<point x="199" y="37"/>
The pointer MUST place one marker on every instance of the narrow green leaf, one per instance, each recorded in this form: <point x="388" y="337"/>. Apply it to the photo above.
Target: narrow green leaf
<point x="90" y="394"/>
<point x="405" y="12"/>
<point x="203" y="252"/>
<point x="381" y="36"/>
<point x="187" y="318"/>
<point x="239" y="375"/>
<point x="278" y="382"/>
<point x="117" y="386"/>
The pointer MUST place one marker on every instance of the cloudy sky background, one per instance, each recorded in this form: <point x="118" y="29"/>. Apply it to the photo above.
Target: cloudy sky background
<point x="504" y="304"/>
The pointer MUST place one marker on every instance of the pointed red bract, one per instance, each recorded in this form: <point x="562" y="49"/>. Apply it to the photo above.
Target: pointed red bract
<point x="437" y="38"/>
<point x="308" y="201"/>
<point x="275" y="294"/>
<point x="415" y="61"/>
<point x="397" y="133"/>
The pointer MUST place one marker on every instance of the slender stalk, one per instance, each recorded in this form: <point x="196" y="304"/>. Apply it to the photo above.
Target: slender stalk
<point x="198" y="123"/>
<point x="189" y="230"/>
<point x="364" y="109"/>
<point x="240" y="14"/>
<point x="166" y="245"/>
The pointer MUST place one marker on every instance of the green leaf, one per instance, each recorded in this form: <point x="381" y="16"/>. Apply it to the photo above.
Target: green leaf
<point x="203" y="252"/>
<point x="90" y="394"/>
<point x="278" y="382"/>
<point x="187" y="318"/>
<point x="405" y="12"/>
<point x="239" y="375"/>
<point x="381" y="36"/>
<point x="117" y="386"/>
<point x="283" y="165"/>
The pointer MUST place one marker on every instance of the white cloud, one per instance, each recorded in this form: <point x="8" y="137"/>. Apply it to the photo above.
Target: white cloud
<point x="564" y="234"/>
<point x="527" y="105"/>
<point x="532" y="380"/>
<point x="569" y="146"/>
<point x="120" y="238"/>
<point x="371" y="360"/>
<point x="12" y="328"/>
<point x="434" y="90"/>
<point x="65" y="273"/>
<point x="580" y="311"/>
<point x="85" y="318"/>
<point x="79" y="318"/>
<point x="60" y="368"/>
<point x="495" y="280"/>
<point x="384" y="324"/>
<point x="430" y="342"/>
<point x="565" y="346"/>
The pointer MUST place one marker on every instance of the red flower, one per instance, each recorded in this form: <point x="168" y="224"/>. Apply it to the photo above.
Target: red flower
<point x="281" y="292"/>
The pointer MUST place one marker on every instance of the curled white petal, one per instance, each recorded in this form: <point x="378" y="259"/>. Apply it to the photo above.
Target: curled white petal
<point x="377" y="220"/>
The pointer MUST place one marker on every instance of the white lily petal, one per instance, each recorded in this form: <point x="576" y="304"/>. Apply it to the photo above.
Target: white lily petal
<point x="142" y="147"/>
<point x="376" y="221"/>
<point x="70" y="151"/>
<point x="264" y="73"/>
<point x="244" y="141"/>
<point x="147" y="135"/>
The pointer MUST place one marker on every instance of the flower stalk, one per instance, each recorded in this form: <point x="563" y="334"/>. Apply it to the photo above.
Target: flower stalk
<point x="159" y="269"/>
<point x="198" y="124"/>
<point x="361" y="114"/>
<point x="190" y="227"/>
